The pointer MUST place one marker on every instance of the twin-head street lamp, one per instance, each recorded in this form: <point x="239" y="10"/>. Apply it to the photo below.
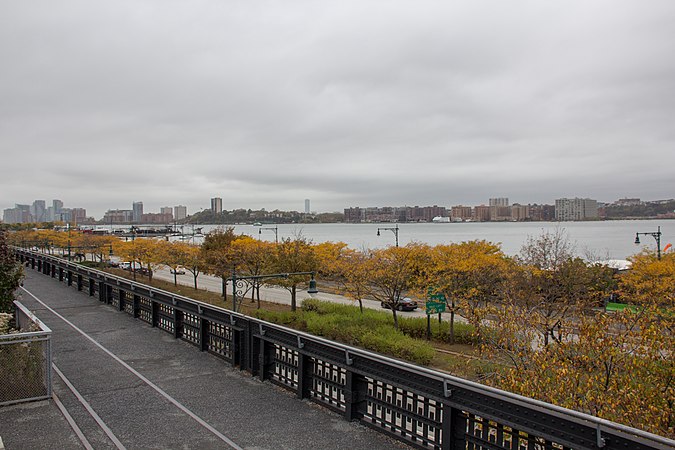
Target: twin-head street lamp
<point x="393" y="230"/>
<point x="275" y="228"/>
<point x="238" y="285"/>
<point x="656" y="235"/>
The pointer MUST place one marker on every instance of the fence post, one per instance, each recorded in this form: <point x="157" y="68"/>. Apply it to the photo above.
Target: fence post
<point x="177" y="322"/>
<point x="265" y="359"/>
<point x="356" y="388"/>
<point x="454" y="429"/>
<point x="203" y="334"/>
<point x="305" y="371"/>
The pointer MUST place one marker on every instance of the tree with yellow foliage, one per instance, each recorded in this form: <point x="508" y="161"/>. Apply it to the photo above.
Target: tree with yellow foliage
<point x="394" y="271"/>
<point x="293" y="255"/>
<point x="142" y="252"/>
<point x="253" y="257"/>
<point x="217" y="252"/>
<point x="469" y="274"/>
<point x="345" y="267"/>
<point x="615" y="365"/>
<point x="173" y="255"/>
<point x="194" y="262"/>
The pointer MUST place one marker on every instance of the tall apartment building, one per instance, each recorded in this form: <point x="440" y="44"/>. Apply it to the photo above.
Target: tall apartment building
<point x="18" y="214"/>
<point x="157" y="218"/>
<point x="499" y="201"/>
<point x="179" y="212"/>
<point x="166" y="210"/>
<point x="567" y="209"/>
<point x="500" y="209"/>
<point x="118" y="216"/>
<point x="78" y="215"/>
<point x="481" y="213"/>
<point x="460" y="213"/>
<point x="216" y="205"/>
<point x="520" y="212"/>
<point x="39" y="211"/>
<point x="307" y="208"/>
<point x="137" y="208"/>
<point x="542" y="213"/>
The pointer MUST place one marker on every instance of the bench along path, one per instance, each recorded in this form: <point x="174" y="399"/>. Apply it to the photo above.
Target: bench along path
<point x="127" y="385"/>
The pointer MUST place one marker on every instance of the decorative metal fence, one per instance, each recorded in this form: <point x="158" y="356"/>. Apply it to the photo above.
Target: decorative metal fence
<point x="422" y="407"/>
<point x="25" y="360"/>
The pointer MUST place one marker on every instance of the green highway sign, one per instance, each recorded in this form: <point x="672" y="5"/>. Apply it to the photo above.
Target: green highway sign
<point x="435" y="307"/>
<point x="437" y="297"/>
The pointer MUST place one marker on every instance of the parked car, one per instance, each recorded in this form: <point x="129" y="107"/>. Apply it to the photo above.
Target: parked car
<point x="178" y="271"/>
<point x="404" y="304"/>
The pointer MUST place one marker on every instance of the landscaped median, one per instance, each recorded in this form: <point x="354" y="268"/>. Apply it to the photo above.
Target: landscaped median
<point x="370" y="329"/>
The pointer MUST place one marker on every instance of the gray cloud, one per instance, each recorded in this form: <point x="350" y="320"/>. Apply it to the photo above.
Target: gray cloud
<point x="351" y="103"/>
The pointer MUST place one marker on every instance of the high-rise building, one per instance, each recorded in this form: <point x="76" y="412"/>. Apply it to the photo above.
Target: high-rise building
<point x="78" y="215"/>
<point x="137" y="208"/>
<point x="306" y="206"/>
<point x="520" y="212"/>
<point x="118" y="216"/>
<point x="38" y="211"/>
<point x="18" y="214"/>
<point x="460" y="213"/>
<point x="499" y="201"/>
<point x="575" y="209"/>
<point x="179" y="212"/>
<point x="481" y="213"/>
<point x="57" y="205"/>
<point x="216" y="205"/>
<point x="167" y="210"/>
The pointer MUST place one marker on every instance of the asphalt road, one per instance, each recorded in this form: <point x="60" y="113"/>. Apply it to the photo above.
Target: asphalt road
<point x="272" y="293"/>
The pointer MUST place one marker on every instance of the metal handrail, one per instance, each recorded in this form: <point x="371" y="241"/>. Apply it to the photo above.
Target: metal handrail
<point x="540" y="406"/>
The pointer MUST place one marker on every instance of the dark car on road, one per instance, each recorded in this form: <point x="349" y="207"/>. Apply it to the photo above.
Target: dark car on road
<point x="405" y="304"/>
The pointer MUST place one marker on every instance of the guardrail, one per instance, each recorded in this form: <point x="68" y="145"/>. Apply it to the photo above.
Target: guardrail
<point x="422" y="407"/>
<point x="25" y="360"/>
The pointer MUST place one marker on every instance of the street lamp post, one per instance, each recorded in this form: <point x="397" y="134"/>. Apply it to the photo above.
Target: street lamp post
<point x="238" y="283"/>
<point x="656" y="235"/>
<point x="275" y="228"/>
<point x="393" y="230"/>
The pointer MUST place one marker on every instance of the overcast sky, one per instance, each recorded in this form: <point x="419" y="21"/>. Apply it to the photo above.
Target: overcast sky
<point x="347" y="103"/>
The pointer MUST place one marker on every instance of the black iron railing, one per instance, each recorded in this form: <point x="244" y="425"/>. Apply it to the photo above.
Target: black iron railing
<point x="422" y="407"/>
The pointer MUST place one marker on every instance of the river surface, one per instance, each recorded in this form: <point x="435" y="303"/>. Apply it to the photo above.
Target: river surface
<point x="595" y="240"/>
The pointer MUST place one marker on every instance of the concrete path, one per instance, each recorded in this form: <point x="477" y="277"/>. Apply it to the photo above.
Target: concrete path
<point x="127" y="385"/>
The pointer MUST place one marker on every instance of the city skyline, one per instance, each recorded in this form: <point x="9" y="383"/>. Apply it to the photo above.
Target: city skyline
<point x="344" y="104"/>
<point x="490" y="210"/>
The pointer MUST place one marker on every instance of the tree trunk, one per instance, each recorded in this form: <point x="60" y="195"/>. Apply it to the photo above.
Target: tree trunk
<point x="293" y="303"/>
<point x="361" y="305"/>
<point x="195" y="276"/>
<point x="175" y="278"/>
<point x="393" y="311"/>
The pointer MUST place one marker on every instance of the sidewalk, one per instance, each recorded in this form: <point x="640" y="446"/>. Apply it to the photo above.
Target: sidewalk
<point x="152" y="391"/>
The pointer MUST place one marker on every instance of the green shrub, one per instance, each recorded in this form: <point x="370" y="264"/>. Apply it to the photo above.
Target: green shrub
<point x="372" y="330"/>
<point x="417" y="327"/>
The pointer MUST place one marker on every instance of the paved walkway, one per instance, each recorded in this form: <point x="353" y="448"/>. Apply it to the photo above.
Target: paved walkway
<point x="127" y="385"/>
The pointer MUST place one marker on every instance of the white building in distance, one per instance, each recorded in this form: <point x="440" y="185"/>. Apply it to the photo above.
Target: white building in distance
<point x="569" y="209"/>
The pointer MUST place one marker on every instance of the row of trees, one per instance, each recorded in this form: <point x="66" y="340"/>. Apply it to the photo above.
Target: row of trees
<point x="536" y="313"/>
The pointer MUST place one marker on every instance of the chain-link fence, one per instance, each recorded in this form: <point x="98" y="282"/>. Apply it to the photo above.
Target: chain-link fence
<point x="25" y="360"/>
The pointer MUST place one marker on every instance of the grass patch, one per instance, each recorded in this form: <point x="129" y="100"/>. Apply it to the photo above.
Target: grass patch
<point x="372" y="329"/>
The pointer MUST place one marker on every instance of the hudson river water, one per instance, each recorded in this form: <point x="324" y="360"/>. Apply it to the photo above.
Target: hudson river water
<point x="602" y="240"/>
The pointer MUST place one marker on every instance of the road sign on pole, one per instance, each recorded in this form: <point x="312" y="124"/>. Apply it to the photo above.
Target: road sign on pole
<point x="435" y="307"/>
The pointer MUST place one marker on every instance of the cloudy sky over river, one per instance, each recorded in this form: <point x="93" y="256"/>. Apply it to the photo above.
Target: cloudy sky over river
<point x="348" y="103"/>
